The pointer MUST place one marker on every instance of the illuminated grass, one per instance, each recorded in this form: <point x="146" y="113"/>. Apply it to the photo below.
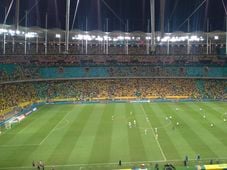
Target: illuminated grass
<point x="97" y="136"/>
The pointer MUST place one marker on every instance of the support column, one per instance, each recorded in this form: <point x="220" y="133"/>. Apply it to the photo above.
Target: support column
<point x="17" y="17"/>
<point x="226" y="34"/>
<point x="168" y="39"/>
<point x="207" y="36"/>
<point x="152" y="11"/>
<point x="13" y="43"/>
<point x="25" y="38"/>
<point x="127" y="30"/>
<point x="147" y="40"/>
<point x="37" y="45"/>
<point x="188" y="44"/>
<point x="107" y="41"/>
<point x="67" y="26"/>
<point x="59" y="45"/>
<point x="4" y="43"/>
<point x="46" y="25"/>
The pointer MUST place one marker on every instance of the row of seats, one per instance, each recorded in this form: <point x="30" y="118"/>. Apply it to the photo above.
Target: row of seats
<point x="113" y="48"/>
<point x="102" y="59"/>
<point x="10" y="72"/>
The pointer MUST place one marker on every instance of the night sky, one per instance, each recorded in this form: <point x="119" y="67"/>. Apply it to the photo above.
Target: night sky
<point x="118" y="12"/>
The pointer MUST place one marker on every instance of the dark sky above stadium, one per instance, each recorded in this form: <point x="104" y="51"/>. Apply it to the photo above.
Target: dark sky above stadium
<point x="137" y="12"/>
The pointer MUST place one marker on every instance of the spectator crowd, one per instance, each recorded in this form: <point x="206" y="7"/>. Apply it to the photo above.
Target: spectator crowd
<point x="13" y="94"/>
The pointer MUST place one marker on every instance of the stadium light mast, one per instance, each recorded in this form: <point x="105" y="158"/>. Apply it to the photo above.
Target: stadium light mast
<point x="152" y="11"/>
<point x="67" y="26"/>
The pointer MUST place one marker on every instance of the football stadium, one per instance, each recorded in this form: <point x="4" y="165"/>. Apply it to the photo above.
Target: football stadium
<point x="113" y="84"/>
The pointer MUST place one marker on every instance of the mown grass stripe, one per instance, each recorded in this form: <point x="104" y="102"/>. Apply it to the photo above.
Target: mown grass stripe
<point x="102" y="141"/>
<point x="191" y="130"/>
<point x="119" y="141"/>
<point x="214" y="134"/>
<point x="136" y="147"/>
<point x="158" y="114"/>
<point x="47" y="148"/>
<point x="84" y="122"/>
<point x="68" y="139"/>
<point x="83" y="146"/>
<point x="148" y="139"/>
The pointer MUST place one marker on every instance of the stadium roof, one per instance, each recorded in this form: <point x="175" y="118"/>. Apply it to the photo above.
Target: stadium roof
<point x="119" y="14"/>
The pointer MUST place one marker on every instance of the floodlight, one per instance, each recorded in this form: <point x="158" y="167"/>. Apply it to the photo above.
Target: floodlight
<point x="194" y="38"/>
<point x="99" y="38"/>
<point x="79" y="37"/>
<point x="57" y="36"/>
<point x="30" y="35"/>
<point x="11" y="32"/>
<point x="3" y="30"/>
<point x="105" y="37"/>
<point x="120" y="38"/>
<point x="127" y="38"/>
<point x="87" y="37"/>
<point x="18" y="32"/>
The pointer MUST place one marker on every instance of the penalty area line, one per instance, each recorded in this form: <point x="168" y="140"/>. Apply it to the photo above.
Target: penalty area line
<point x="53" y="129"/>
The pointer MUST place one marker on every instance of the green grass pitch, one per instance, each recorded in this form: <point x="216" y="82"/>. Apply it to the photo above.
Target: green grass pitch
<point x="97" y="136"/>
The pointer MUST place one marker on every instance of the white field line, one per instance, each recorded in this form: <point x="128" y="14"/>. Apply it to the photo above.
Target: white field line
<point x="111" y="163"/>
<point x="159" y="146"/>
<point x="22" y="145"/>
<point x="53" y="129"/>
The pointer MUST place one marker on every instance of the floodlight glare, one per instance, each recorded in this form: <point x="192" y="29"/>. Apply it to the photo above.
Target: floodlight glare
<point x="87" y="37"/>
<point x="30" y="35"/>
<point x="57" y="36"/>
<point x="11" y="32"/>
<point x="99" y="38"/>
<point x="17" y="32"/>
<point x="120" y="38"/>
<point x="127" y="38"/>
<point x="3" y="30"/>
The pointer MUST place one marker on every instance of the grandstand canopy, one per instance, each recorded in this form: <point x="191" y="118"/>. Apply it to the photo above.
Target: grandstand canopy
<point x="118" y="15"/>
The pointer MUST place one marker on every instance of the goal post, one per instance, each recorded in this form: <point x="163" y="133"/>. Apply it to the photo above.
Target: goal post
<point x="8" y="125"/>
